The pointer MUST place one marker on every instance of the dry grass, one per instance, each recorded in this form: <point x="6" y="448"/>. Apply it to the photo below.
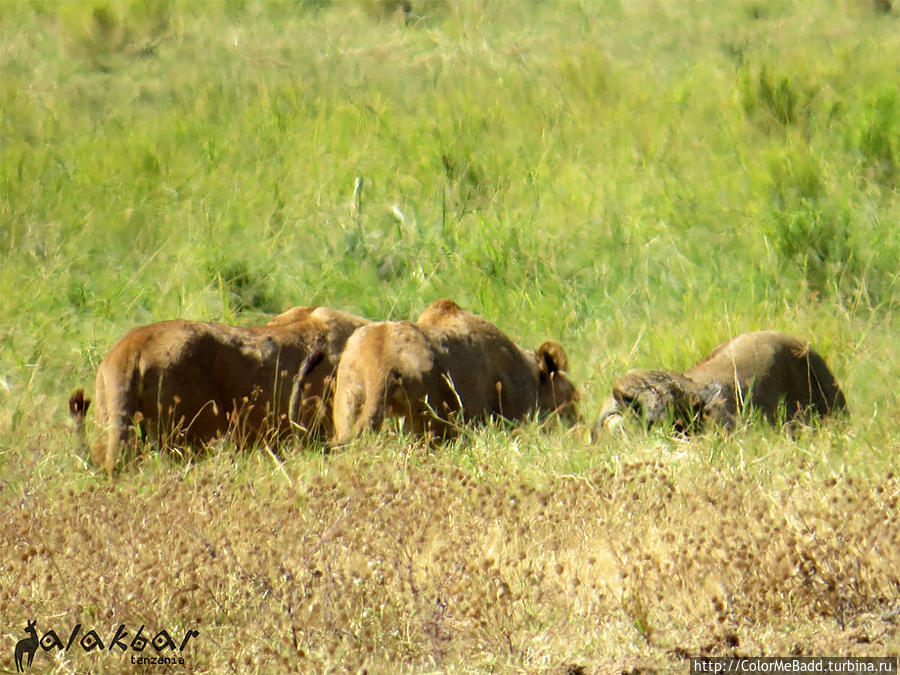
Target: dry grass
<point x="639" y="180"/>
<point x="461" y="560"/>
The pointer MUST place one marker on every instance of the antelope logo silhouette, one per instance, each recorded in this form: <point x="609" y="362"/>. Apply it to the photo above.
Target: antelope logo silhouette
<point x="28" y="646"/>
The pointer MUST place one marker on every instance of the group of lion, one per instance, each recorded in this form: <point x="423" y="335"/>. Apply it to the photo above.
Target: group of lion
<point x="329" y="375"/>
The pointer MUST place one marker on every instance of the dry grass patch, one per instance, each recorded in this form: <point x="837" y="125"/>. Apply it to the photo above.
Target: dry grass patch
<point x="377" y="559"/>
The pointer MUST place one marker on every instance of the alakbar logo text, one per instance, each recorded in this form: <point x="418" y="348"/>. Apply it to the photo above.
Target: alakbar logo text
<point x="91" y="641"/>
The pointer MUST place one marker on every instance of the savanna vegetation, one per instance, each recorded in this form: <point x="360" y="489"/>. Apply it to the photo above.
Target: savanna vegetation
<point x="638" y="180"/>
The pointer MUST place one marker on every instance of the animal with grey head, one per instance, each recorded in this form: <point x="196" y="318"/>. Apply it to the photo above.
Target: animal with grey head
<point x="189" y="382"/>
<point x="776" y="375"/>
<point x="448" y="367"/>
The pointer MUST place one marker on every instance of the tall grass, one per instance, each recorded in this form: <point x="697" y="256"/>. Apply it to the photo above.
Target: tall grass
<point x="638" y="180"/>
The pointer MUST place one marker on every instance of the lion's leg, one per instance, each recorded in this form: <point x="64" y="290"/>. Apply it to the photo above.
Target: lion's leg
<point x="349" y="401"/>
<point x="430" y="410"/>
<point x="372" y="413"/>
<point x="116" y="438"/>
<point x="115" y="411"/>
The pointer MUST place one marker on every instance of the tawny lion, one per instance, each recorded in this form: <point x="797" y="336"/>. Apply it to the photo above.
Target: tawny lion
<point x="449" y="366"/>
<point x="775" y="374"/>
<point x="190" y="382"/>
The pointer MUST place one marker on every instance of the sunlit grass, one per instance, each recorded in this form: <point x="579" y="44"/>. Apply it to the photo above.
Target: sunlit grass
<point x="639" y="181"/>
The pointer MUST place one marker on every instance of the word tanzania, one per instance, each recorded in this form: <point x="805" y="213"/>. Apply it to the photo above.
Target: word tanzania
<point x="91" y="641"/>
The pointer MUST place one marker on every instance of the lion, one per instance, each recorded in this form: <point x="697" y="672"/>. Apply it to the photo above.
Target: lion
<point x="448" y="367"/>
<point x="190" y="382"/>
<point x="775" y="374"/>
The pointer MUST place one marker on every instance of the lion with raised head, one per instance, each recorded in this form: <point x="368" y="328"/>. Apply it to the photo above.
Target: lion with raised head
<point x="190" y="382"/>
<point x="774" y="374"/>
<point x="447" y="367"/>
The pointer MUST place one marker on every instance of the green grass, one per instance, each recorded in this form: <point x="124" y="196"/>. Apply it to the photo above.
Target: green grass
<point x="638" y="180"/>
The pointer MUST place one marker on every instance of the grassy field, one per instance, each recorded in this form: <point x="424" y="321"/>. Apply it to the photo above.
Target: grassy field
<point x="638" y="180"/>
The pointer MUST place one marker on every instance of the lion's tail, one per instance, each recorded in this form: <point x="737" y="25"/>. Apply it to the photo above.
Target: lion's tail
<point x="315" y="356"/>
<point x="78" y="407"/>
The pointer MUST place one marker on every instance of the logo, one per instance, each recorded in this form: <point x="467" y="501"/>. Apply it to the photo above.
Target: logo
<point x="27" y="645"/>
<point x="167" y="650"/>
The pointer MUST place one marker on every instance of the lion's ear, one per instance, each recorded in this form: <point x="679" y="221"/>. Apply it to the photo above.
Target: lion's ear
<point x="552" y="357"/>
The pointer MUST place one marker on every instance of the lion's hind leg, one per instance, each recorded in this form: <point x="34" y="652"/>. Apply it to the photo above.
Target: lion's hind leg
<point x="353" y="409"/>
<point x="116" y="409"/>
